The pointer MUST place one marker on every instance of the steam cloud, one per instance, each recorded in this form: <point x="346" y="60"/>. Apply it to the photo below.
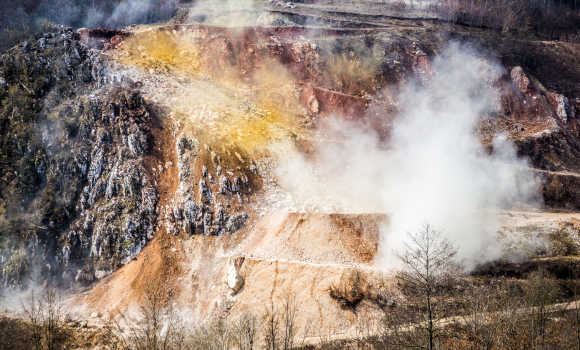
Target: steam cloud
<point x="433" y="168"/>
<point x="226" y="13"/>
<point x="131" y="12"/>
<point x="25" y="19"/>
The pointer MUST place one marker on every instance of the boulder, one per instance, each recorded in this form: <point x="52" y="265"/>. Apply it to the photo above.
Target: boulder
<point x="66" y="318"/>
<point x="235" y="280"/>
<point x="83" y="34"/>
<point x="313" y="104"/>
<point x="521" y="80"/>
<point x="228" y="302"/>
<point x="560" y="104"/>
<point x="100" y="274"/>
<point x="116" y="40"/>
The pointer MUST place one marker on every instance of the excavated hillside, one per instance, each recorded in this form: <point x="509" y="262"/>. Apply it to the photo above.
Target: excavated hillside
<point x="148" y="157"/>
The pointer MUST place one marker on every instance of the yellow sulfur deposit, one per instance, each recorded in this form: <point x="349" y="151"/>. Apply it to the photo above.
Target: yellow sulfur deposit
<point x="247" y="108"/>
<point x="159" y="49"/>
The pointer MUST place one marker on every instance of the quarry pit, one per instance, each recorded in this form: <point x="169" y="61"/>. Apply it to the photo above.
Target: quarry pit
<point x="217" y="141"/>
<point x="250" y="95"/>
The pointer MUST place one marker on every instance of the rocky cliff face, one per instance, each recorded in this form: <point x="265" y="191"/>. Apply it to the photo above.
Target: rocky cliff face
<point x="116" y="205"/>
<point x="544" y="127"/>
<point x="45" y="155"/>
<point x="112" y="137"/>
<point x="76" y="199"/>
<point x="78" y="194"/>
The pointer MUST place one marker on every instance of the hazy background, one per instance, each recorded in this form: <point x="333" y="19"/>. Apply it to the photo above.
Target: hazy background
<point x="21" y="19"/>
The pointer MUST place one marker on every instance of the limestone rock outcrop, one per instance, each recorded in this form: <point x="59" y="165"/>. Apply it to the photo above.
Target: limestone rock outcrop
<point x="235" y="280"/>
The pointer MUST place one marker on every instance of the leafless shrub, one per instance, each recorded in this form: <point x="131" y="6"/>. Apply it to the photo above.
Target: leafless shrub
<point x="289" y="321"/>
<point x="540" y="291"/>
<point x="271" y="326"/>
<point x="43" y="315"/>
<point x="246" y="330"/>
<point x="14" y="334"/>
<point x="219" y="336"/>
<point x="241" y="333"/>
<point x="490" y="318"/>
<point x="365" y="329"/>
<point x="551" y="19"/>
<point x="350" y="290"/>
<point x="572" y="317"/>
<point x="279" y="323"/>
<point x="210" y="336"/>
<point x="157" y="327"/>
<point x="571" y="37"/>
<point x="399" y="6"/>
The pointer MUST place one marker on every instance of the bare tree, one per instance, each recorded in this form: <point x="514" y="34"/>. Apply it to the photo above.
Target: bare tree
<point x="158" y="326"/>
<point x="289" y="315"/>
<point x="540" y="291"/>
<point x="428" y="261"/>
<point x="221" y="336"/>
<point x="245" y="329"/>
<point x="491" y="318"/>
<point x="280" y="325"/>
<point x="573" y="316"/>
<point x="44" y="315"/>
<point x="271" y="324"/>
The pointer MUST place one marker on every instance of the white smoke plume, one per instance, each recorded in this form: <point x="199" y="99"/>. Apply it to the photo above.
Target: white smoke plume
<point x="433" y="167"/>
<point x="129" y="12"/>
<point x="225" y="13"/>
